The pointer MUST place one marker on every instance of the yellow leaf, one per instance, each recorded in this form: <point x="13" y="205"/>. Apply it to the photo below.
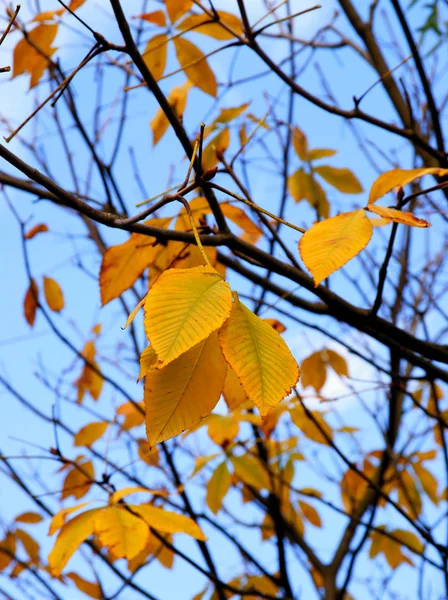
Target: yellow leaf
<point x="251" y="471"/>
<point x="259" y="356"/>
<point x="410" y="539"/>
<point x="29" y="544"/>
<point x="222" y="429"/>
<point x="353" y="487"/>
<point x="71" y="536"/>
<point x="134" y="313"/>
<point x="303" y="186"/>
<point x="8" y="544"/>
<point x="341" y="179"/>
<point x="300" y="143"/>
<point x="91" y="432"/>
<point x="155" y="55"/>
<point x="276" y="325"/>
<point x="408" y="495"/>
<point x="321" y="153"/>
<point x="217" y="487"/>
<point x="314" y="371"/>
<point x="60" y="517"/>
<point x="310" y="514"/>
<point x="398" y="178"/>
<point x="157" y="17"/>
<point x="28" y="517"/>
<point x="177" y="99"/>
<point x="398" y="216"/>
<point x="428" y="482"/>
<point x="148" y="455"/>
<point x="87" y="587"/>
<point x="330" y="244"/>
<point x="177" y="8"/>
<point x="252" y="232"/>
<point x="178" y="396"/>
<point x="123" y="533"/>
<point x="337" y="362"/>
<point x="132" y="416"/>
<point x="229" y="114"/>
<point x="122" y="265"/>
<point x="233" y="391"/>
<point x="199" y="302"/>
<point x="156" y="548"/>
<point x="26" y="56"/>
<point x="195" y="66"/>
<point x="148" y="359"/>
<point x="53" y="294"/>
<point x="78" y="480"/>
<point x="167" y="521"/>
<point x="218" y="145"/>
<point x="90" y="380"/>
<point x="30" y="303"/>
<point x="118" y="495"/>
<point x="41" y="228"/>
<point x="315" y="429"/>
<point x="204" y="24"/>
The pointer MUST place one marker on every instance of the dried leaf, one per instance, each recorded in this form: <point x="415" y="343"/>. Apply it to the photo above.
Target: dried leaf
<point x="398" y="178"/>
<point x="41" y="228"/>
<point x="53" y="294"/>
<point x="398" y="216"/>
<point x="177" y="99"/>
<point x="30" y="303"/>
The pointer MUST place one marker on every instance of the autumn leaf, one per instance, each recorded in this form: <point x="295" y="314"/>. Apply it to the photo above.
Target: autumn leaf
<point x="177" y="99"/>
<point x="259" y="356"/>
<point x="398" y="178"/>
<point x="53" y="294"/>
<point x="157" y="17"/>
<point x="32" y="52"/>
<point x="30" y="303"/>
<point x="330" y="244"/>
<point x="121" y="531"/>
<point x="233" y="392"/>
<point x="217" y="487"/>
<point x="251" y="471"/>
<point x="177" y="8"/>
<point x="91" y="432"/>
<point x="78" y="480"/>
<point x="341" y="179"/>
<point x="205" y="25"/>
<point x="60" y="517"/>
<point x="71" y="536"/>
<point x="398" y="216"/>
<point x="318" y="153"/>
<point x="122" y="265"/>
<point x="178" y="396"/>
<point x="312" y="425"/>
<point x="195" y="66"/>
<point x="168" y="521"/>
<point x="90" y="379"/>
<point x="28" y="517"/>
<point x="218" y="145"/>
<point x="155" y="55"/>
<point x="29" y="544"/>
<point x="41" y="228"/>
<point x="199" y="302"/>
<point x="303" y="186"/>
<point x="300" y="143"/>
<point x="314" y="371"/>
<point x="87" y="587"/>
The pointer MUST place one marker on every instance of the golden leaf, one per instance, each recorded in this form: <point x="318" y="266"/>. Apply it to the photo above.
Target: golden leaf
<point x="310" y="513"/>
<point x="315" y="428"/>
<point x="300" y="143"/>
<point x="91" y="432"/>
<point x="217" y="487"/>
<point x="205" y="25"/>
<point x="78" y="480"/>
<point x="29" y="544"/>
<point x="330" y="244"/>
<point x="218" y="145"/>
<point x="28" y="517"/>
<point x="199" y="302"/>
<point x="321" y="153"/>
<point x="177" y="99"/>
<point x="251" y="471"/>
<point x="157" y="17"/>
<point x="87" y="587"/>
<point x="155" y="55"/>
<point x="233" y="391"/>
<point x="53" y="294"/>
<point x="259" y="356"/>
<point x="124" y="533"/>
<point x="303" y="186"/>
<point x="337" y="362"/>
<point x="26" y="56"/>
<point x="195" y="66"/>
<point x="178" y="396"/>
<point x="177" y="8"/>
<point x="167" y="521"/>
<point x="132" y="416"/>
<point x="398" y="216"/>
<point x="314" y="371"/>
<point x="398" y="178"/>
<point x="60" y="517"/>
<point x="341" y="179"/>
<point x="90" y="379"/>
<point x="71" y="536"/>
<point x="124" y="263"/>
<point x="222" y="429"/>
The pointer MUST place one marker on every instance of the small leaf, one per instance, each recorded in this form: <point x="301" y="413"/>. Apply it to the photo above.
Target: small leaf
<point x="259" y="356"/>
<point x="53" y="294"/>
<point x="155" y="55"/>
<point x="41" y="228"/>
<point x="177" y="99"/>
<point x="330" y="244"/>
<point x="302" y="186"/>
<point x="315" y="428"/>
<point x="90" y="379"/>
<point x="28" y="517"/>
<point x="87" y="587"/>
<point x="177" y="8"/>
<point x="26" y="56"/>
<point x="60" y="517"/>
<point x="29" y="544"/>
<point x="69" y="539"/>
<point x="30" y="303"/>
<point x="148" y="360"/>
<point x="178" y="396"/>
<point x="199" y="303"/>
<point x="167" y="521"/>
<point x="204" y="24"/>
<point x="78" y="480"/>
<point x="314" y="371"/>
<point x="310" y="514"/>
<point x="233" y="391"/>
<point x="195" y="66"/>
<point x="341" y="179"/>
<point x="398" y="178"/>
<point x="276" y="325"/>
<point x="91" y="432"/>
<point x="321" y="153"/>
<point x="300" y="143"/>
<point x="251" y="471"/>
<point x="157" y="17"/>
<point x="120" y="494"/>
<point x="337" y="363"/>
<point x="398" y="216"/>
<point x="217" y="487"/>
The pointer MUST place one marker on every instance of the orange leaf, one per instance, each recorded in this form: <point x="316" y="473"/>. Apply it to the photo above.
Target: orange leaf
<point x="204" y="24"/>
<point x="155" y="55"/>
<point x="30" y="303"/>
<point x="26" y="56"/>
<point x="90" y="379"/>
<point x="91" y="432"/>
<point x="53" y="294"/>
<point x="157" y="17"/>
<point x="177" y="8"/>
<point x="28" y="517"/>
<point x="87" y="587"/>
<point x="177" y="100"/>
<point x="195" y="65"/>
<point x="78" y="480"/>
<point x="398" y="216"/>
<point x="41" y="228"/>
<point x="398" y="178"/>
